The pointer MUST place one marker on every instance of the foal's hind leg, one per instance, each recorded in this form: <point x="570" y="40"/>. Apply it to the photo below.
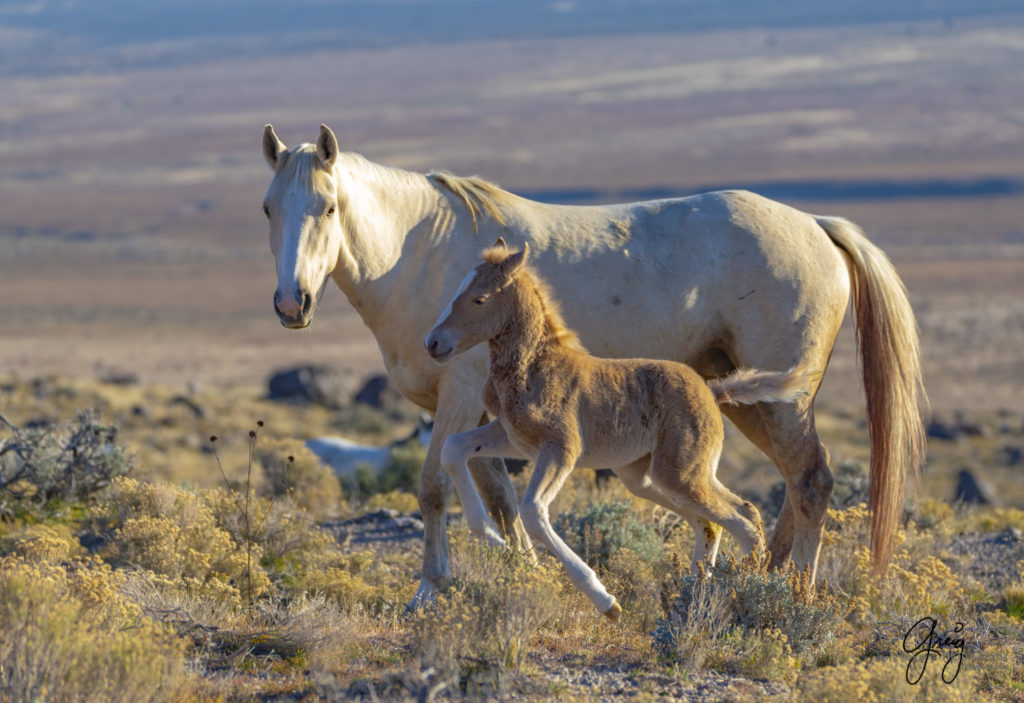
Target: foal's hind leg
<point x="707" y="535"/>
<point x="685" y="473"/>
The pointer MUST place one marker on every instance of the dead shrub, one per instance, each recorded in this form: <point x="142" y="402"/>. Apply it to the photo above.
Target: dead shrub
<point x="74" y="462"/>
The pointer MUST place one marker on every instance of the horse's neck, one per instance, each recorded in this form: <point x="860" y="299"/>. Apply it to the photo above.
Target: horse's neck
<point x="524" y="339"/>
<point x="381" y="207"/>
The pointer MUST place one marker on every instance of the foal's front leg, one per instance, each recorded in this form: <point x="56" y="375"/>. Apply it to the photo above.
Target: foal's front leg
<point x="487" y="441"/>
<point x="554" y="464"/>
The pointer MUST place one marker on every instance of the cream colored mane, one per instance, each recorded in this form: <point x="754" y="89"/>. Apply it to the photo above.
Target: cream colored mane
<point x="480" y="195"/>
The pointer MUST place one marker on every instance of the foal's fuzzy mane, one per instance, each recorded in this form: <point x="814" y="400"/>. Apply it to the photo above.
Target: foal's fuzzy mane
<point x="553" y="320"/>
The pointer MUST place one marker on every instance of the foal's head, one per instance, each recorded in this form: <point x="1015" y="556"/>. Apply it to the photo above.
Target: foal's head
<point x="305" y="230"/>
<point x="480" y="307"/>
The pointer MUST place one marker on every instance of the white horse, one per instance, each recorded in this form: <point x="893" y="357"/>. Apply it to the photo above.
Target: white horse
<point x="718" y="281"/>
<point x="343" y="456"/>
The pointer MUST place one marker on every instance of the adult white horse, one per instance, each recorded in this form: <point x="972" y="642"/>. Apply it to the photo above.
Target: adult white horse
<point x="718" y="281"/>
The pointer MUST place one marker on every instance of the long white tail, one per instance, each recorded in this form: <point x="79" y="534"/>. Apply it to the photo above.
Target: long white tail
<point x="749" y="386"/>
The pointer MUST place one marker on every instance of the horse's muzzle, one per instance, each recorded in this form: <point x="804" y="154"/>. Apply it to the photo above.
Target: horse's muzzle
<point x="295" y="311"/>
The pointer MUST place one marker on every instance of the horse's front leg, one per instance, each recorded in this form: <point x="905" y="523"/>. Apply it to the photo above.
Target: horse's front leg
<point x="456" y="412"/>
<point x="487" y="441"/>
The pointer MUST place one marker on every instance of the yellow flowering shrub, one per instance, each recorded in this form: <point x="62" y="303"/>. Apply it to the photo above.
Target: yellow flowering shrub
<point x="69" y="635"/>
<point x="884" y="681"/>
<point x="174" y="533"/>
<point x="915" y="582"/>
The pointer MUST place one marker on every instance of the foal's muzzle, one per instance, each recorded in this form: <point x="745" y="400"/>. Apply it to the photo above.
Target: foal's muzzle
<point x="439" y="351"/>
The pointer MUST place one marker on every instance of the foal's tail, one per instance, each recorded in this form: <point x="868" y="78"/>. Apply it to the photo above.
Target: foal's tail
<point x="749" y="386"/>
<point x="890" y="365"/>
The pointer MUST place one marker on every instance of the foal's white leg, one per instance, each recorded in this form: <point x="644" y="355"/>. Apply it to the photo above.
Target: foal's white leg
<point x="489" y="440"/>
<point x="554" y="465"/>
<point x="707" y="535"/>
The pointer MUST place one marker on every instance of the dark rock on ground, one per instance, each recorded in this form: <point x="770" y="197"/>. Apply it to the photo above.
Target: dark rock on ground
<point x="312" y="384"/>
<point x="971" y="489"/>
<point x="378" y="392"/>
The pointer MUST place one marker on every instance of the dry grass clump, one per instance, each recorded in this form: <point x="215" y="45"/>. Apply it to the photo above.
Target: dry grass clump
<point x="176" y="534"/>
<point x="199" y="541"/>
<point x="772" y="617"/>
<point x="70" y="635"/>
<point x="479" y="630"/>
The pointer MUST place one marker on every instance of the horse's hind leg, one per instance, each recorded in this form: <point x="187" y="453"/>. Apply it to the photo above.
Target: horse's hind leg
<point x="803" y="461"/>
<point x="707" y="535"/>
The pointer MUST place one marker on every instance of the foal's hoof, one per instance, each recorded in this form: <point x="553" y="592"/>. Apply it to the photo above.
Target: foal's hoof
<point x="613" y="612"/>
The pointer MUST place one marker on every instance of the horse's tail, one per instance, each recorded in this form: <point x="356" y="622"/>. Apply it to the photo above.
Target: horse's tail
<point x="749" y="386"/>
<point x="890" y="365"/>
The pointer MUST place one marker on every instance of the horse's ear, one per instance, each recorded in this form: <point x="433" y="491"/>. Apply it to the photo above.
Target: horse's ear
<point x="272" y="148"/>
<point x="501" y="243"/>
<point x="327" y="146"/>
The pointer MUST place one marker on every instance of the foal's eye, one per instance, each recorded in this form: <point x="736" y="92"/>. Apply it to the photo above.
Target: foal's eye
<point x="481" y="300"/>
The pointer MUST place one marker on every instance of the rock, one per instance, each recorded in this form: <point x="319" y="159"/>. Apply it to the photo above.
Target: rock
<point x="313" y="384"/>
<point x="378" y="392"/>
<point x="937" y="429"/>
<point x="971" y="489"/>
<point x="192" y="405"/>
<point x="1010" y="455"/>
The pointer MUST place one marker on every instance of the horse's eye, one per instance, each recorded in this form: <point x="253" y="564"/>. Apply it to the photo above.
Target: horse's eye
<point x="330" y="210"/>
<point x="481" y="300"/>
<point x="266" y="211"/>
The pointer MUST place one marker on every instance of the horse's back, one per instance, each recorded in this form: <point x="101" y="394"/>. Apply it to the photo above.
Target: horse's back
<point x="674" y="278"/>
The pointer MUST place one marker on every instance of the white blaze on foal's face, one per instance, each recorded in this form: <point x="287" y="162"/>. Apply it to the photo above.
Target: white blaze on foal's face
<point x="442" y="340"/>
<point x="301" y="206"/>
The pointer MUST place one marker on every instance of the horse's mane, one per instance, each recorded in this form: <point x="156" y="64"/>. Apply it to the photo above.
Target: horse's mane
<point x="479" y="195"/>
<point x="552" y="311"/>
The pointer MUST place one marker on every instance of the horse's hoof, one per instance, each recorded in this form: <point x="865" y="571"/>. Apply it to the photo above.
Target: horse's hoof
<point x="613" y="612"/>
<point x="425" y="596"/>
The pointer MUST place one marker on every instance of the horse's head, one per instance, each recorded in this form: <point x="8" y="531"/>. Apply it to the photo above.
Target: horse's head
<point x="305" y="229"/>
<point x="480" y="307"/>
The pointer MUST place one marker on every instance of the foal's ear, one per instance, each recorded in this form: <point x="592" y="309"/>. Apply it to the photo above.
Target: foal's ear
<point x="272" y="148"/>
<point x="501" y="243"/>
<point x="515" y="261"/>
<point x="327" y="146"/>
